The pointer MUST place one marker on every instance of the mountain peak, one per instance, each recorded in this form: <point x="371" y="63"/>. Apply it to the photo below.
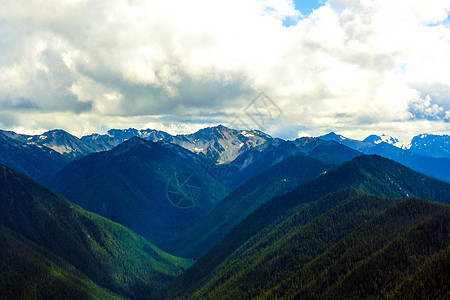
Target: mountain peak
<point x="114" y="137"/>
<point x="63" y="142"/>
<point x="220" y="143"/>
<point x="136" y="140"/>
<point x="431" y="145"/>
<point x="332" y="136"/>
<point x="214" y="129"/>
<point x="377" y="139"/>
<point x="56" y="131"/>
<point x="427" y="136"/>
<point x="131" y="143"/>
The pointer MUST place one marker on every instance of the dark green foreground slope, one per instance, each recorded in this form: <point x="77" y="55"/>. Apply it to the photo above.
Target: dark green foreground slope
<point x="32" y="272"/>
<point x="381" y="257"/>
<point x="60" y="245"/>
<point x="319" y="240"/>
<point x="346" y="252"/>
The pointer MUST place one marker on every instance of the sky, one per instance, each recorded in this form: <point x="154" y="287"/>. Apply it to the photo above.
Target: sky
<point x="289" y="68"/>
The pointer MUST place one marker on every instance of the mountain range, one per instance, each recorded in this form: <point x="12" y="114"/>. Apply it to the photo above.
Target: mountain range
<point x="39" y="162"/>
<point x="129" y="185"/>
<point x="114" y="137"/>
<point x="433" y="166"/>
<point x="231" y="149"/>
<point x="57" y="140"/>
<point x="326" y="217"/>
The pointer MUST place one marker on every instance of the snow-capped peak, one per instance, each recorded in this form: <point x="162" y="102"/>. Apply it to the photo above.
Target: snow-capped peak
<point x="377" y="139"/>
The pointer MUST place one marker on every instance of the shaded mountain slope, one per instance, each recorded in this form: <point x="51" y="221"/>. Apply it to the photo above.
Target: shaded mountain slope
<point x="109" y="254"/>
<point x="436" y="167"/>
<point x="429" y="280"/>
<point x="38" y="162"/>
<point x="345" y="246"/>
<point x="273" y="258"/>
<point x="114" y="137"/>
<point x="431" y="145"/>
<point x="280" y="179"/>
<point x="380" y="257"/>
<point x="365" y="174"/>
<point x="29" y="271"/>
<point x="58" y="140"/>
<point x="289" y="243"/>
<point x="129" y="185"/>
<point x="328" y="151"/>
<point x="258" y="159"/>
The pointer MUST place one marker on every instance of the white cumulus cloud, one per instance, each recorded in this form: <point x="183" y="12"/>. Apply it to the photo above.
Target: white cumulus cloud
<point x="350" y="66"/>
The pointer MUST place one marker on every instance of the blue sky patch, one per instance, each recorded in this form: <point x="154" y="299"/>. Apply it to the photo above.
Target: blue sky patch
<point x="306" y="7"/>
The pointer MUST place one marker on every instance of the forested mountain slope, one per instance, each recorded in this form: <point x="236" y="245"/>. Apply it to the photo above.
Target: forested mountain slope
<point x="129" y="185"/>
<point x="55" y="234"/>
<point x="361" y="189"/>
<point x="280" y="179"/>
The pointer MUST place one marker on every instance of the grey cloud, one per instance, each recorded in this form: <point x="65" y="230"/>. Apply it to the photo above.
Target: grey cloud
<point x="11" y="39"/>
<point x="49" y="90"/>
<point x="430" y="114"/>
<point x="7" y="120"/>
<point x="439" y="92"/>
<point x="289" y="131"/>
<point x="426" y="108"/>
<point x="366" y="119"/>
<point x="168" y="121"/>
<point x="18" y="103"/>
<point x="200" y="94"/>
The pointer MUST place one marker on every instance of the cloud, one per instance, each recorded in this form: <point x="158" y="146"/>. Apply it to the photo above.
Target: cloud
<point x="423" y="109"/>
<point x="348" y="65"/>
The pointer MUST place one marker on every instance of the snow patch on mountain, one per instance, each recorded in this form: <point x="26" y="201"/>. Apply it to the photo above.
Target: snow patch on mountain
<point x="247" y="134"/>
<point x="221" y="144"/>
<point x="61" y="149"/>
<point x="378" y="139"/>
